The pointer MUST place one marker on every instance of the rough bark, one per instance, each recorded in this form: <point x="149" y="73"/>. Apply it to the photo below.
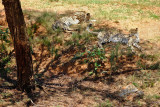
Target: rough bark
<point x="17" y="26"/>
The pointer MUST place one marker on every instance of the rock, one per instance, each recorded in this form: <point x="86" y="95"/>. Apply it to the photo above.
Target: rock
<point x="130" y="92"/>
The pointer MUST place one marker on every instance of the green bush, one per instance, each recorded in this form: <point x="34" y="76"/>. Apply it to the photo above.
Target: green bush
<point x="96" y="56"/>
<point x="4" y="38"/>
<point x="4" y="53"/>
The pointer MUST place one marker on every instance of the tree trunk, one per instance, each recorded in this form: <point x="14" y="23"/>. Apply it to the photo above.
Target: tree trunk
<point x="17" y="26"/>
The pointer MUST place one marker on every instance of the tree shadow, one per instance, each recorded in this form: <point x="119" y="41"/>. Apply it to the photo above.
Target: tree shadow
<point x="55" y="62"/>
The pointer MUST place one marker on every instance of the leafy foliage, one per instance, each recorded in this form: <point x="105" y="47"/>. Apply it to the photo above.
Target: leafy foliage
<point x="96" y="56"/>
<point x="4" y="54"/>
<point x="4" y="37"/>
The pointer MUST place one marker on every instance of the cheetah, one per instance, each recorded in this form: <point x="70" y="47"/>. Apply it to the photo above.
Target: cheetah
<point x="131" y="40"/>
<point x="64" y="23"/>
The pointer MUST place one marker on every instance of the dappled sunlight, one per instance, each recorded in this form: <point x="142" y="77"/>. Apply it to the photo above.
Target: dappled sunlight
<point x="69" y="67"/>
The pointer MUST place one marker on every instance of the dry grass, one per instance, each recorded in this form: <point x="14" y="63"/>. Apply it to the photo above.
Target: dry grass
<point x="130" y="14"/>
<point x="64" y="89"/>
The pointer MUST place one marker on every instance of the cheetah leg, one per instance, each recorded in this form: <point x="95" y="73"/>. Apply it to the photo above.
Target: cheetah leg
<point x="68" y="29"/>
<point x="137" y="46"/>
<point x="100" y="43"/>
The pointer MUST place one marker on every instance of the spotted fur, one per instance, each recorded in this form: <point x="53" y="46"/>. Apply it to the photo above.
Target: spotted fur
<point x="64" y="23"/>
<point x="131" y="40"/>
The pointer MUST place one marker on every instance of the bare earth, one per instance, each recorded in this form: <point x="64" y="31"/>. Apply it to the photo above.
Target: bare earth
<point x="64" y="80"/>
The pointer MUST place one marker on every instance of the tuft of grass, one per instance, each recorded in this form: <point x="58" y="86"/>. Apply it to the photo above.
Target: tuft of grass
<point x="87" y="38"/>
<point x="144" y="79"/>
<point x="154" y="16"/>
<point x="112" y="61"/>
<point x="141" y="65"/>
<point x="54" y="51"/>
<point x="6" y="95"/>
<point x="114" y="57"/>
<point x="155" y="97"/>
<point x="69" y="43"/>
<point x="4" y="39"/>
<point x="75" y="38"/>
<point x="107" y="103"/>
<point x="79" y="40"/>
<point x="57" y="40"/>
<point x="149" y="57"/>
<point x="46" y="42"/>
<point x="47" y="19"/>
<point x="155" y="66"/>
<point x="31" y="30"/>
<point x="5" y="57"/>
<point x="78" y="55"/>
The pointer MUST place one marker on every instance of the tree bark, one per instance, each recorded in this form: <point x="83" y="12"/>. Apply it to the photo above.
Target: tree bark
<point x="17" y="26"/>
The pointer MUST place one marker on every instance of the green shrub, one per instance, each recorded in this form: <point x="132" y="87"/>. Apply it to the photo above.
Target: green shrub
<point x="96" y="56"/>
<point x="4" y="38"/>
<point x="4" y="53"/>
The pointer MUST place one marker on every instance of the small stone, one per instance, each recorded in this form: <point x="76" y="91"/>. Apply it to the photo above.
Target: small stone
<point x="130" y="92"/>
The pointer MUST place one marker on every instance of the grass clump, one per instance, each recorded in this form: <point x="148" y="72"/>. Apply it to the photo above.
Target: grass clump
<point x="155" y="66"/>
<point x="145" y="79"/>
<point x="6" y="95"/>
<point x="154" y="16"/>
<point x="106" y="104"/>
<point x="148" y="57"/>
<point x="47" y="19"/>
<point x="114" y="57"/>
<point x="142" y="65"/>
<point x="4" y="39"/>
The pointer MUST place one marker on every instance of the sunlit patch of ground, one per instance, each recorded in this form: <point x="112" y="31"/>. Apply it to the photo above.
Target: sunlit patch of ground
<point x="64" y="78"/>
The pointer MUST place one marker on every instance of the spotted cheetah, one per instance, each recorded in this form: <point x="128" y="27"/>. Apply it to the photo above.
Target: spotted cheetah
<point x="64" y="23"/>
<point x="131" y="39"/>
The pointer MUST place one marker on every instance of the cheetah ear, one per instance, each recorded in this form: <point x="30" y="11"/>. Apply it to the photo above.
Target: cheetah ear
<point x="90" y="25"/>
<point x="120" y="31"/>
<point x="137" y="29"/>
<point x="88" y="14"/>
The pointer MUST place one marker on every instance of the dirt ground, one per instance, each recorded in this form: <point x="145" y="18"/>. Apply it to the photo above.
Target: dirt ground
<point x="65" y="80"/>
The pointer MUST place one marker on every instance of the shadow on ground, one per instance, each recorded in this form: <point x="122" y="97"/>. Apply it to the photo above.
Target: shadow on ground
<point x="60" y="74"/>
